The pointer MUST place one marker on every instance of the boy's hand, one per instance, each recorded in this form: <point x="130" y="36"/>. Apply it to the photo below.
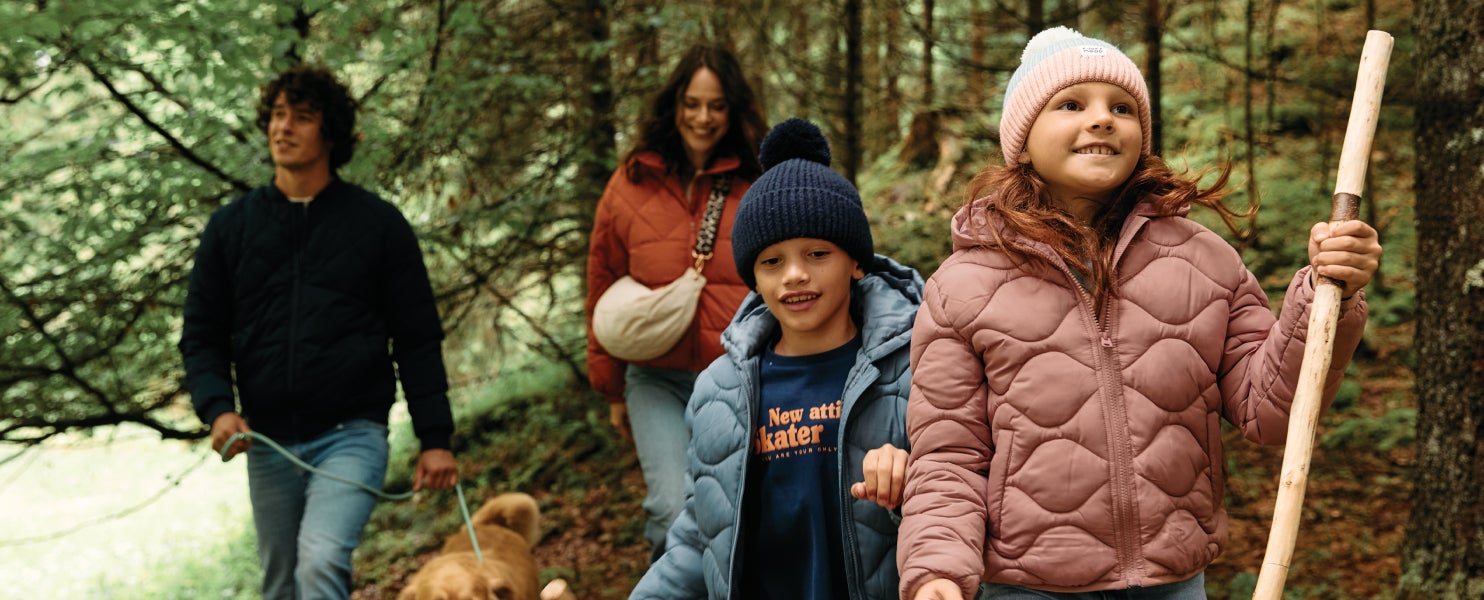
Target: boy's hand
<point x="886" y="475"/>
<point x="1347" y="251"/>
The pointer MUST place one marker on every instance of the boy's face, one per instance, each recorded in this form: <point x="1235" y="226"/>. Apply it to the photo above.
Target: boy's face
<point x="806" y="285"/>
<point x="295" y="139"/>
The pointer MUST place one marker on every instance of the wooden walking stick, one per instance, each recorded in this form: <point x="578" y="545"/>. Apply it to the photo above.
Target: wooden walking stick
<point x="1323" y="318"/>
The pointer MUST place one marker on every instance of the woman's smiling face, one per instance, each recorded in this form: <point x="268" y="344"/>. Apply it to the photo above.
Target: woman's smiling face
<point x="701" y="116"/>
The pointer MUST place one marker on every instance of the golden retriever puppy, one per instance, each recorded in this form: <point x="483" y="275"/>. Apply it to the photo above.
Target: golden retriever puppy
<point x="507" y="526"/>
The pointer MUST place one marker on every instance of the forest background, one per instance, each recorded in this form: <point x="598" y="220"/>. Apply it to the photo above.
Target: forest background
<point x="494" y="124"/>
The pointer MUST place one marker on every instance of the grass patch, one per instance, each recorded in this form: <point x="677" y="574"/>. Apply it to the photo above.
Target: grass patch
<point x="122" y="514"/>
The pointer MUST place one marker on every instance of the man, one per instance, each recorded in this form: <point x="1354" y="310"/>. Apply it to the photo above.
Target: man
<point x="303" y="295"/>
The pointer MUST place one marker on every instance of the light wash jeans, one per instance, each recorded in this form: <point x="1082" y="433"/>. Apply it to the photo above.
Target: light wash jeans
<point x="308" y="525"/>
<point x="656" y="400"/>
<point x="1190" y="589"/>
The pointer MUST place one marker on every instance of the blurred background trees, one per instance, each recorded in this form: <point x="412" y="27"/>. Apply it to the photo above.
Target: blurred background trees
<point x="494" y="124"/>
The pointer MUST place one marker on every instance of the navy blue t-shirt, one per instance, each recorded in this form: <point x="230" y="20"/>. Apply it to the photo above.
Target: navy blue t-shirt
<point x="791" y="536"/>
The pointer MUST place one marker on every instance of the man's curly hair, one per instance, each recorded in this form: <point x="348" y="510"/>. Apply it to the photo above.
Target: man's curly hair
<point x="317" y="87"/>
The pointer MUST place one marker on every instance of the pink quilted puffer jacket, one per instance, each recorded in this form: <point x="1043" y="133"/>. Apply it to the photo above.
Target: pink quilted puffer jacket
<point x="1067" y="451"/>
<point x="648" y="230"/>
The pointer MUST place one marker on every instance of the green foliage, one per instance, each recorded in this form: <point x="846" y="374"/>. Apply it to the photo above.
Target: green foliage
<point x="1240" y="586"/>
<point x="1395" y="428"/>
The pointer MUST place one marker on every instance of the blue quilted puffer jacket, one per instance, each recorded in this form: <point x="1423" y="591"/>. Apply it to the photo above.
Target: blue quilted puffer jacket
<point x="701" y="551"/>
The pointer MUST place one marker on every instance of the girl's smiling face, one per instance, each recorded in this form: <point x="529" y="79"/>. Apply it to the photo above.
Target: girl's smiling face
<point x="1085" y="143"/>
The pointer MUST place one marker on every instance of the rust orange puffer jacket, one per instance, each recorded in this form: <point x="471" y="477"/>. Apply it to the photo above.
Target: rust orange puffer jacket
<point x="647" y="230"/>
<point x="1071" y="452"/>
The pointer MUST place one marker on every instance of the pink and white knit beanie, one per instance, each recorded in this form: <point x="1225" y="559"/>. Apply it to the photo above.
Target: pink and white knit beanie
<point x="1055" y="59"/>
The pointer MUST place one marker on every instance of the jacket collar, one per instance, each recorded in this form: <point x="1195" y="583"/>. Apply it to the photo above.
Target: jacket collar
<point x="331" y="190"/>
<point x="887" y="297"/>
<point x="652" y="161"/>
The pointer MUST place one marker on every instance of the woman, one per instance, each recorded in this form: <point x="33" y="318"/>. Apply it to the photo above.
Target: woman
<point x="702" y="129"/>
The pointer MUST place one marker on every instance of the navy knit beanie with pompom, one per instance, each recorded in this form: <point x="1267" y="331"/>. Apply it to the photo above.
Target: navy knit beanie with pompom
<point x="799" y="196"/>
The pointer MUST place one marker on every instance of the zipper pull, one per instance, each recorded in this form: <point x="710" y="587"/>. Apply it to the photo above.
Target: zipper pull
<point x="1107" y="342"/>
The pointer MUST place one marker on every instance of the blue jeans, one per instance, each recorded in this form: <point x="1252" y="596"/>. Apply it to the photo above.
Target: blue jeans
<point x="656" y="400"/>
<point x="1190" y="589"/>
<point x="308" y="525"/>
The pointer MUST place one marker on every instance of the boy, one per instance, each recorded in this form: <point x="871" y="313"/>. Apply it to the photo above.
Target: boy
<point x="798" y="449"/>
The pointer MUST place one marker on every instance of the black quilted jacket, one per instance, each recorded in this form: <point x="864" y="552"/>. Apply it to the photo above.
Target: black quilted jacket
<point x="309" y="305"/>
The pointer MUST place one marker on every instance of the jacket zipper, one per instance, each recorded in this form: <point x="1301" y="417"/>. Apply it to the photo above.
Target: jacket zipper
<point x="752" y="401"/>
<point x="1115" y="427"/>
<point x="301" y="226"/>
<point x="847" y="520"/>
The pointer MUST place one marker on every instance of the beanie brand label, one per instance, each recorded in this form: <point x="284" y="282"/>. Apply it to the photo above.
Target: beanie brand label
<point x="1093" y="50"/>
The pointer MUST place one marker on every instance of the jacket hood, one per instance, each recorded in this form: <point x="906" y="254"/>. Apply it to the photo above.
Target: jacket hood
<point x="886" y="298"/>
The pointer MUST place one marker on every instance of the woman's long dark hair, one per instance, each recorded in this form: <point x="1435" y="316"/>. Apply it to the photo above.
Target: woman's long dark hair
<point x="1024" y="208"/>
<point x="745" y="123"/>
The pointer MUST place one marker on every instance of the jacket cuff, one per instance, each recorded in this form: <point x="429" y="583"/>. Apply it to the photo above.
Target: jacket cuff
<point x="213" y="408"/>
<point x="435" y="441"/>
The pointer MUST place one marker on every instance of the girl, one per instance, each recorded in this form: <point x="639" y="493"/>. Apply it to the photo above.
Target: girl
<point x="1074" y="357"/>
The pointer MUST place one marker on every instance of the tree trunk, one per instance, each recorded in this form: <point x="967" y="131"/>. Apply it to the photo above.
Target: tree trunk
<point x="1444" y="552"/>
<point x="891" y="73"/>
<point x="1249" y="134"/>
<point x="597" y="159"/>
<point x="1153" y="45"/>
<point x="872" y="126"/>
<point x="851" y="157"/>
<point x="801" y="90"/>
<point x="928" y="35"/>
<point x="977" y="93"/>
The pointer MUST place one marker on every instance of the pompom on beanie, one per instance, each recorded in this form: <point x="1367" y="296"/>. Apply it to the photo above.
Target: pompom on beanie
<point x="798" y="196"/>
<point x="1053" y="60"/>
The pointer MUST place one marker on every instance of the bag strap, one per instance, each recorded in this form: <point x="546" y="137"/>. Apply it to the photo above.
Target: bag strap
<point x="706" y="239"/>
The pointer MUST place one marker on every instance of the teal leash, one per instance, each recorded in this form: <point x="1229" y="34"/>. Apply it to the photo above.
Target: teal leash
<point x="458" y="487"/>
<point x="468" y="522"/>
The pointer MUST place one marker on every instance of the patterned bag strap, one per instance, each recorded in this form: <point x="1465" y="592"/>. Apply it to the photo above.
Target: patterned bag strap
<point x="706" y="239"/>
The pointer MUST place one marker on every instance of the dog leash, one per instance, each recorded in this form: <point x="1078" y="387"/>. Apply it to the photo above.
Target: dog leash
<point x="458" y="487"/>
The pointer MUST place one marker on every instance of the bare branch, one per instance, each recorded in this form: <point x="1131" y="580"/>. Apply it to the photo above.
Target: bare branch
<point x="175" y="143"/>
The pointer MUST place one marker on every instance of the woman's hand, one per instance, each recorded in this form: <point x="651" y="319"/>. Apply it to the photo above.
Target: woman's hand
<point x="885" y="477"/>
<point x="1348" y="251"/>
<point x="618" y="415"/>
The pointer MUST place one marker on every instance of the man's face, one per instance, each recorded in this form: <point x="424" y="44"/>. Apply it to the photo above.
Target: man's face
<point x="294" y="137"/>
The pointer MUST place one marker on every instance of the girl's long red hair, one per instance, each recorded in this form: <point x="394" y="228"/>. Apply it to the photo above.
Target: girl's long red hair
<point x="1024" y="208"/>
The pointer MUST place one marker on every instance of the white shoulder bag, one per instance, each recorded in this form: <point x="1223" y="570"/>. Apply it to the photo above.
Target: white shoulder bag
<point x="635" y="323"/>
